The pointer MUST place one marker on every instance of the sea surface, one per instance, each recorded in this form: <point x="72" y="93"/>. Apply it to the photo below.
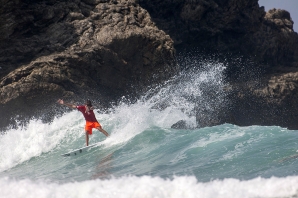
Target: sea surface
<point x="145" y="157"/>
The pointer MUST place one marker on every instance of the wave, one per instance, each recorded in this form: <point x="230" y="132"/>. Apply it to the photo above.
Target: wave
<point x="145" y="157"/>
<point x="22" y="144"/>
<point x="146" y="186"/>
<point x="161" y="107"/>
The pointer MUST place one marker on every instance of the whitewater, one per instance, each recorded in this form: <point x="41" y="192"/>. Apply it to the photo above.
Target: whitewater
<point x="145" y="157"/>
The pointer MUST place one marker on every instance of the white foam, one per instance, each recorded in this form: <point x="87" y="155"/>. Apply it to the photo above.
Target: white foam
<point x="20" y="145"/>
<point x="127" y="121"/>
<point x="146" y="186"/>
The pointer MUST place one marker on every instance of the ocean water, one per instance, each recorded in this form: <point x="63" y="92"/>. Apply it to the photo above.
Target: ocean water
<point x="145" y="157"/>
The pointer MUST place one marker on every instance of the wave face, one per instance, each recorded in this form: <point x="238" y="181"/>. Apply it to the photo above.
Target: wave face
<point x="145" y="157"/>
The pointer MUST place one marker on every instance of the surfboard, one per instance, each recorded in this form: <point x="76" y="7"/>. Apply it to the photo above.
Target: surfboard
<point x="81" y="150"/>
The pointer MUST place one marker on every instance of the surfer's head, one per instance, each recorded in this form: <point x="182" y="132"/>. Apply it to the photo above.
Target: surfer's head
<point x="88" y="103"/>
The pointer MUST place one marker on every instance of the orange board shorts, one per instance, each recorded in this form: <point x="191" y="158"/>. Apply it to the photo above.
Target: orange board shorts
<point x="90" y="125"/>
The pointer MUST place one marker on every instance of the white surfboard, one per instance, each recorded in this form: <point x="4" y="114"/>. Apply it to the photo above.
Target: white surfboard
<point x="81" y="150"/>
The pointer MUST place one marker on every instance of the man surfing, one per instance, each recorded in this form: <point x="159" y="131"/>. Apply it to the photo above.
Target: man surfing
<point x="91" y="121"/>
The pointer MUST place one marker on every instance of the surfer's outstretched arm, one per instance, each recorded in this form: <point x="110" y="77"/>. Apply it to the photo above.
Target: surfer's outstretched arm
<point x="60" y="101"/>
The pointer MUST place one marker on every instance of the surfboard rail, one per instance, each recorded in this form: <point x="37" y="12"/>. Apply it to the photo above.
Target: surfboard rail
<point x="81" y="150"/>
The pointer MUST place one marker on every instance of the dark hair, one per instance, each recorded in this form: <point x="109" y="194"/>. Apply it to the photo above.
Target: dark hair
<point x="88" y="103"/>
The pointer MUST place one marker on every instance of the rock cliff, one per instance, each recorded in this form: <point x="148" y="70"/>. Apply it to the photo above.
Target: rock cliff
<point x="228" y="25"/>
<point x="266" y="41"/>
<point x="99" y="49"/>
<point x="110" y="48"/>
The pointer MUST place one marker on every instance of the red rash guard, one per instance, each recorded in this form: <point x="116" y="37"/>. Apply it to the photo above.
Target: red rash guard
<point x="89" y="116"/>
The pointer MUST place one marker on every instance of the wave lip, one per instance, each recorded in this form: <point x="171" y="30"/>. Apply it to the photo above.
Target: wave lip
<point x="22" y="144"/>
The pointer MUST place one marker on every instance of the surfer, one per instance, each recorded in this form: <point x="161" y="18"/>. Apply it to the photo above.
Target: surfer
<point x="91" y="121"/>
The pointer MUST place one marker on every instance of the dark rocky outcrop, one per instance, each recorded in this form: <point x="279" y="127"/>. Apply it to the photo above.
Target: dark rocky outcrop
<point x="228" y="25"/>
<point x="84" y="48"/>
<point x="274" y="100"/>
<point x="214" y="24"/>
<point x="100" y="48"/>
<point x="242" y="28"/>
